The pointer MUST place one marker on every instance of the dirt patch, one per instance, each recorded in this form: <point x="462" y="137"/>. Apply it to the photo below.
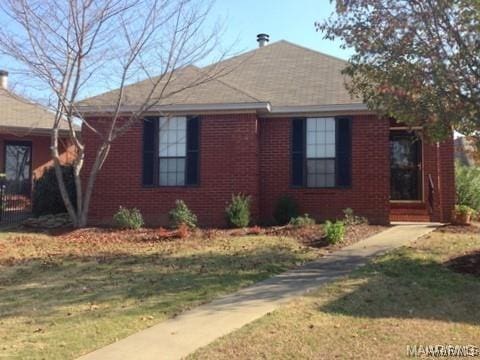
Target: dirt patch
<point x="466" y="264"/>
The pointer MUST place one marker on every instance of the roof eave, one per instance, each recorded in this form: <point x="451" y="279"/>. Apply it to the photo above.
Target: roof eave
<point x="25" y="131"/>
<point x="180" y="108"/>
<point x="331" y="109"/>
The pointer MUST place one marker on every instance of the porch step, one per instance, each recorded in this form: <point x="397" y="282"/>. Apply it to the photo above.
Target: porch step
<point x="409" y="212"/>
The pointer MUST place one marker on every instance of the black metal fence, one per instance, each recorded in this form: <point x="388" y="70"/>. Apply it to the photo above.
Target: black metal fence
<point x="15" y="206"/>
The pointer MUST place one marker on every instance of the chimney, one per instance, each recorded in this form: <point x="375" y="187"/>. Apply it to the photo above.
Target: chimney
<point x="263" y="39"/>
<point x="3" y="79"/>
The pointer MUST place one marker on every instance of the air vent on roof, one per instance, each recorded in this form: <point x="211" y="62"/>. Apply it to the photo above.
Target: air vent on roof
<point x="263" y="39"/>
<point x="3" y="79"/>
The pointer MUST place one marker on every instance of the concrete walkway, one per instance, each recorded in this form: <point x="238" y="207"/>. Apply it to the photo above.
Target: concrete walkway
<point x="178" y="337"/>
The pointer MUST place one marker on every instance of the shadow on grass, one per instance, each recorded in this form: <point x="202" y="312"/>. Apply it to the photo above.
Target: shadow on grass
<point x="165" y="282"/>
<point x="405" y="287"/>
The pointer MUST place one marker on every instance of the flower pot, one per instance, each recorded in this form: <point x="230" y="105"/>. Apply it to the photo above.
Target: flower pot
<point x="462" y="218"/>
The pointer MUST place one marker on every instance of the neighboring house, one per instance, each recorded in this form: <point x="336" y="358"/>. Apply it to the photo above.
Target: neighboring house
<point x="25" y="140"/>
<point x="464" y="151"/>
<point x="279" y="122"/>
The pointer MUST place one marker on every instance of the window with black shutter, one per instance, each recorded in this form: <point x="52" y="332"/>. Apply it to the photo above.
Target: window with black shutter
<point x="171" y="151"/>
<point x="321" y="152"/>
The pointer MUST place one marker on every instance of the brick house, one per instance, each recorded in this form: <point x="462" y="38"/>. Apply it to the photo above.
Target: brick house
<point x="25" y="140"/>
<point x="279" y="123"/>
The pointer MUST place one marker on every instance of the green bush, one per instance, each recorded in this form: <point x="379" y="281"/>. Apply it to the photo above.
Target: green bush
<point x="182" y="215"/>
<point x="302" y="221"/>
<point x="334" y="232"/>
<point x="46" y="197"/>
<point x="238" y="211"/>
<point x="464" y="210"/>
<point x="128" y="218"/>
<point x="351" y="219"/>
<point x="467" y="182"/>
<point x="285" y="209"/>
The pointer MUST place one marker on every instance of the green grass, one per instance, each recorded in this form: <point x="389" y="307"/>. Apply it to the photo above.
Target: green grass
<point x="60" y="298"/>
<point x="405" y="297"/>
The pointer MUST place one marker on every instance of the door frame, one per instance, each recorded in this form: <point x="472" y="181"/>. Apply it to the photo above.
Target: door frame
<point x="419" y="133"/>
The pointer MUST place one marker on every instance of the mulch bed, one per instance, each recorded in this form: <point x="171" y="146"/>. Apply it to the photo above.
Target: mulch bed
<point x="466" y="264"/>
<point x="312" y="236"/>
<point x="460" y="229"/>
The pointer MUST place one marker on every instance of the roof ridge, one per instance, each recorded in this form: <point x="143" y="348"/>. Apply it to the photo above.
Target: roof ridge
<point x="312" y="50"/>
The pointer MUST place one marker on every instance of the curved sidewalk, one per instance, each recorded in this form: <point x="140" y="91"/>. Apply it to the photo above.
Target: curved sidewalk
<point x="178" y="337"/>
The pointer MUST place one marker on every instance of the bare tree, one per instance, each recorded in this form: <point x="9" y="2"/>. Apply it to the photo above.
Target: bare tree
<point x="70" y="45"/>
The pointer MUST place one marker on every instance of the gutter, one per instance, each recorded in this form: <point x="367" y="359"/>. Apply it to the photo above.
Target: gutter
<point x="26" y="131"/>
<point x="315" y="109"/>
<point x="263" y="108"/>
<point x="208" y="108"/>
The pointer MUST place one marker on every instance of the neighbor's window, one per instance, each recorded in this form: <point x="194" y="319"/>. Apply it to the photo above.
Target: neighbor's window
<point x="172" y="146"/>
<point x="320" y="154"/>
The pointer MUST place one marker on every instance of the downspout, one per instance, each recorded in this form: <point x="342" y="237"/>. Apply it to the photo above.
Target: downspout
<point x="439" y="183"/>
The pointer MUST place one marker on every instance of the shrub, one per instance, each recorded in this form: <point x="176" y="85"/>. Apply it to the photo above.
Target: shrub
<point x="464" y="210"/>
<point x="467" y="183"/>
<point x="334" y="232"/>
<point x="351" y="219"/>
<point x="128" y="218"/>
<point x="46" y="197"/>
<point x="302" y="221"/>
<point x="181" y="214"/>
<point x="285" y="209"/>
<point x="238" y="211"/>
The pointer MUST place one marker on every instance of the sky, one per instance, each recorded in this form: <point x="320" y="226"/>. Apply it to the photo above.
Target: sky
<point x="242" y="20"/>
<point x="289" y="20"/>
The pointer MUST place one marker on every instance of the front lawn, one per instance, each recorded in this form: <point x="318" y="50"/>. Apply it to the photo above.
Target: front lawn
<point x="63" y="296"/>
<point x="410" y="296"/>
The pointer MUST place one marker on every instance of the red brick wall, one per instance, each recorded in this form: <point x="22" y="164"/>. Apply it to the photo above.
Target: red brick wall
<point x="369" y="194"/>
<point x="239" y="153"/>
<point x="41" y="157"/>
<point x="228" y="164"/>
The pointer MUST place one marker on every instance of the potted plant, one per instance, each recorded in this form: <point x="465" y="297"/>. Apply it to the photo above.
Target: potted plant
<point x="462" y="214"/>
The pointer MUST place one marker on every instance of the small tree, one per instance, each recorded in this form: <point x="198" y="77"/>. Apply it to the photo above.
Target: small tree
<point x="238" y="211"/>
<point x="74" y="47"/>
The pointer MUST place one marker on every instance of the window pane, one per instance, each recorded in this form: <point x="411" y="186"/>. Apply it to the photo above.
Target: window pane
<point x="320" y="172"/>
<point x="329" y="151"/>
<point x="330" y="137"/>
<point x="320" y="138"/>
<point x="330" y="124"/>
<point x="163" y="178"/>
<point x="180" y="178"/>
<point x="330" y="180"/>
<point x="172" y="137"/>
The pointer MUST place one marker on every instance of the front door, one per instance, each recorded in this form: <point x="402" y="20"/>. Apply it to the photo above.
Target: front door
<point x="405" y="166"/>
<point x="18" y="169"/>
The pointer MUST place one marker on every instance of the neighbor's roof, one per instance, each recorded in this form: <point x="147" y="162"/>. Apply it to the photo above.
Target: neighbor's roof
<point x="282" y="75"/>
<point x="18" y="113"/>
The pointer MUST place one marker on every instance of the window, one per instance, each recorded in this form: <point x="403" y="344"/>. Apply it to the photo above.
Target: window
<point x="320" y="154"/>
<point x="172" y="150"/>
<point x="18" y="157"/>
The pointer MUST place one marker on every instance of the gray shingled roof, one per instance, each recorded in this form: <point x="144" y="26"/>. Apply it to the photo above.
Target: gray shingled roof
<point x="282" y="74"/>
<point x="18" y="113"/>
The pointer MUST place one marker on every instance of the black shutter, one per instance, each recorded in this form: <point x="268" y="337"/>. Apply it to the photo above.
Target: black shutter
<point x="344" y="152"/>
<point x="149" y="141"/>
<point x="298" y="151"/>
<point x="193" y="147"/>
